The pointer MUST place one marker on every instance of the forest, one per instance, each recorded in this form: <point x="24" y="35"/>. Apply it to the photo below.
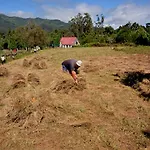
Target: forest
<point x="90" y="34"/>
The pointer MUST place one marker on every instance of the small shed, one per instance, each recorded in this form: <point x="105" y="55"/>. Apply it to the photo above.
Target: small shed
<point x="66" y="42"/>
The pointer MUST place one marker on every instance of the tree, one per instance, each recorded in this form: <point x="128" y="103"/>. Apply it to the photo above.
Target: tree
<point x="81" y="24"/>
<point x="27" y="36"/>
<point x="11" y="39"/>
<point x="1" y="41"/>
<point x="55" y="36"/>
<point x="35" y="35"/>
<point x="135" y="26"/>
<point x="124" y="36"/>
<point x="99" y="22"/>
<point x="148" y="27"/>
<point x="141" y="37"/>
<point x="87" y="23"/>
<point x="108" y="30"/>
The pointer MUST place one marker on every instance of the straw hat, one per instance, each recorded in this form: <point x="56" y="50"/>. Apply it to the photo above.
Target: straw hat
<point x="79" y="62"/>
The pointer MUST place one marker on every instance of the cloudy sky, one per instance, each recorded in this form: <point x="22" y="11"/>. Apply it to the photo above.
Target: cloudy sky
<point x="116" y="12"/>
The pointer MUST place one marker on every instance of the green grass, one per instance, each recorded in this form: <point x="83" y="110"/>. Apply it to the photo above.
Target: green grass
<point x="20" y="55"/>
<point x="59" y="54"/>
<point x="134" y="50"/>
<point x="82" y="52"/>
<point x="1" y="52"/>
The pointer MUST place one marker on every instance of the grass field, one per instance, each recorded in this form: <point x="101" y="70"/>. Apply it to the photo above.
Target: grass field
<point x="41" y="107"/>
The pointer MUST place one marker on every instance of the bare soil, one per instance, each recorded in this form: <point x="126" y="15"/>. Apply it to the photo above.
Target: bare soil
<point x="42" y="108"/>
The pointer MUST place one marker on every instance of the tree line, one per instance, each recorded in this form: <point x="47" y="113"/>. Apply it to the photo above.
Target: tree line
<point x="81" y="26"/>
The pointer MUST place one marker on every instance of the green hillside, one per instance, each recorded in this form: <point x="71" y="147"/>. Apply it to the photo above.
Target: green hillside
<point x="7" y="23"/>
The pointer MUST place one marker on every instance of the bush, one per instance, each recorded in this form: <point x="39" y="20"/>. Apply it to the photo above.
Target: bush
<point x="96" y="44"/>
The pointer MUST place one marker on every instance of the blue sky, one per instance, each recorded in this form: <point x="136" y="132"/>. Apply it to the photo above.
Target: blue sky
<point x="116" y="12"/>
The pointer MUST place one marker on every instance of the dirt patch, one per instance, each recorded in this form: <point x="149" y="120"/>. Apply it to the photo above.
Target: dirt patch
<point x="67" y="86"/>
<point x="33" y="79"/>
<point x="18" y="81"/>
<point x="139" y="81"/>
<point x="3" y="72"/>
<point x="26" y="63"/>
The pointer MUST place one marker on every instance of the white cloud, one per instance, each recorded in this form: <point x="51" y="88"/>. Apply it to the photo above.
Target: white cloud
<point x="21" y="14"/>
<point x="65" y="14"/>
<point x="91" y="9"/>
<point x="115" y="17"/>
<point x="128" y="12"/>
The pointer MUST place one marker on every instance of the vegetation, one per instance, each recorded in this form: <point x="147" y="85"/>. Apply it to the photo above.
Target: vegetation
<point x="28" y="33"/>
<point x="15" y="22"/>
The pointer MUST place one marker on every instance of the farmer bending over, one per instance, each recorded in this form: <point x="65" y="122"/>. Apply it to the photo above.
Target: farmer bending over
<point x="72" y="66"/>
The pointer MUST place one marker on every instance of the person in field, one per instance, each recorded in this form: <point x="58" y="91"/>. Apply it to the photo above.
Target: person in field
<point x="71" y="66"/>
<point x="3" y="59"/>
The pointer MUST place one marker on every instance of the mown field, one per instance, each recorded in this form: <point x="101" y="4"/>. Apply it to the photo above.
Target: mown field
<point x="42" y="108"/>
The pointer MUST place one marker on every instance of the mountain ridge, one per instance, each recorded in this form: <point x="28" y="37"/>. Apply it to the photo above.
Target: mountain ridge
<point x="12" y="22"/>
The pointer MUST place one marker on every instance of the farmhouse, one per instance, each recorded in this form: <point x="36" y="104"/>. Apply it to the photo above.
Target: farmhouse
<point x="67" y="42"/>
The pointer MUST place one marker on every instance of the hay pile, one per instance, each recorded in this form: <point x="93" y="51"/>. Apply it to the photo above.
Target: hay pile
<point x="19" y="111"/>
<point x="3" y="72"/>
<point x="67" y="86"/>
<point x="36" y="63"/>
<point x="26" y="63"/>
<point x="33" y="79"/>
<point x="39" y="65"/>
<point x="29" y="111"/>
<point x="18" y="81"/>
<point x="24" y="112"/>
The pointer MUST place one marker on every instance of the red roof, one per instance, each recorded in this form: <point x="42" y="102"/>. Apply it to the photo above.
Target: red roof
<point x="68" y="40"/>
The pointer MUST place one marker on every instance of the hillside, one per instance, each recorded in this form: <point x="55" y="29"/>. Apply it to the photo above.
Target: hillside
<point x="7" y="22"/>
<point x="41" y="107"/>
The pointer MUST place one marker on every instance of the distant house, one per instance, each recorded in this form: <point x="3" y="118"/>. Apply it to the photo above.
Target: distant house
<point x="66" y="42"/>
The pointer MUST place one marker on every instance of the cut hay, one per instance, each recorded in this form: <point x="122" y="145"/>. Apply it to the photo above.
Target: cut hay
<point x="33" y="79"/>
<point x="28" y="111"/>
<point x="3" y="72"/>
<point x="26" y="63"/>
<point x="67" y="86"/>
<point x="39" y="65"/>
<point x="18" y="81"/>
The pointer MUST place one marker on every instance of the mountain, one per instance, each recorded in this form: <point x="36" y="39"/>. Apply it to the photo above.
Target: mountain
<point x="7" y="23"/>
